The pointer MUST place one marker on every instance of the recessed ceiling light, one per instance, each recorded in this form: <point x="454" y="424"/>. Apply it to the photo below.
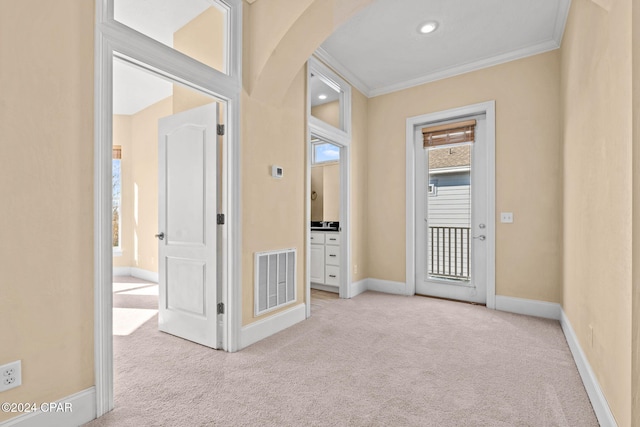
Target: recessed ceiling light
<point x="427" y="27"/>
<point x="323" y="96"/>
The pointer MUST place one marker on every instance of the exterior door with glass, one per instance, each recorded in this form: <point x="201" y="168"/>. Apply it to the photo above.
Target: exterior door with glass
<point x="451" y="209"/>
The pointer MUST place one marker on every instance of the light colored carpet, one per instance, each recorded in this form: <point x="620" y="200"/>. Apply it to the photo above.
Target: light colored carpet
<point x="375" y="360"/>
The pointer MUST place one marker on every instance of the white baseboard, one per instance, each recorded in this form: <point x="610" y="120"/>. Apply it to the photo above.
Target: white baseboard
<point x="386" y="286"/>
<point x="271" y="325"/>
<point x="358" y="287"/>
<point x="548" y="310"/>
<point x="149" y="276"/>
<point x="326" y="288"/>
<point x="83" y="410"/>
<point x="122" y="271"/>
<point x="598" y="401"/>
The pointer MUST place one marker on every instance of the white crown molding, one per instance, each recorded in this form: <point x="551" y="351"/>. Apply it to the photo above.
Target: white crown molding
<point x="324" y="56"/>
<point x="554" y="43"/>
<point x="466" y="68"/>
<point x="561" y="20"/>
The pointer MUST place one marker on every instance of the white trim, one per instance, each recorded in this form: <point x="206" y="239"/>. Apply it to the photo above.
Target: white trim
<point x="589" y="379"/>
<point x="264" y="328"/>
<point x="341" y="138"/>
<point x="326" y="288"/>
<point x="468" y="67"/>
<point x="103" y="258"/>
<point x="113" y="39"/>
<point x="83" y="410"/>
<point x="386" y="286"/>
<point x="489" y="109"/>
<point x="149" y="276"/>
<point x="122" y="271"/>
<point x="358" y="287"/>
<point x="332" y="62"/>
<point x="561" y="20"/>
<point x="529" y="307"/>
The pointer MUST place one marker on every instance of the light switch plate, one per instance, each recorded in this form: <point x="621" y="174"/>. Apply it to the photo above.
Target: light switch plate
<point x="506" y="217"/>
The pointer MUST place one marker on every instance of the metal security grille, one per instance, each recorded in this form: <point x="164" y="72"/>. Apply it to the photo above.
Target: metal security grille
<point x="275" y="279"/>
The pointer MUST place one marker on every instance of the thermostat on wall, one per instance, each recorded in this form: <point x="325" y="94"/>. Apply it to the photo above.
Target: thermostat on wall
<point x="276" y="171"/>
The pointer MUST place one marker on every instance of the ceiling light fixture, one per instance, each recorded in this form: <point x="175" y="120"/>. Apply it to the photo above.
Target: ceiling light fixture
<point x="322" y="96"/>
<point x="427" y="27"/>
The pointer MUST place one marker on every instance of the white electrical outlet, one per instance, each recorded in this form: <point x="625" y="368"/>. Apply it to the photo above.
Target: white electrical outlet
<point x="506" y="217"/>
<point x="10" y="375"/>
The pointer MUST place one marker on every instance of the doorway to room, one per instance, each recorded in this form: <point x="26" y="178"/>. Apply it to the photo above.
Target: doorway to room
<point x="451" y="193"/>
<point x="326" y="231"/>
<point x="193" y="48"/>
<point x="166" y="187"/>
<point x="327" y="205"/>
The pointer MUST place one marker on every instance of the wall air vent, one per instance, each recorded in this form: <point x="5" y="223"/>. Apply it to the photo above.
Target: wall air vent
<point x="275" y="280"/>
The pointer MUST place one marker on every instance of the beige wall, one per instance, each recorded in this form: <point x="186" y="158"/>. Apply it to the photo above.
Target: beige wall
<point x="325" y="180"/>
<point x="331" y="190"/>
<point x="328" y="113"/>
<point x="203" y="38"/>
<point x="359" y="186"/>
<point x="273" y="215"/>
<point x="317" y="186"/>
<point x="528" y="171"/>
<point x="597" y="106"/>
<point x="635" y="321"/>
<point x="122" y="137"/>
<point x="46" y="187"/>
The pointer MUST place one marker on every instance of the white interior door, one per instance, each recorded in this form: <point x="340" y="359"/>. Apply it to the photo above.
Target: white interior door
<point x="188" y="224"/>
<point x="451" y="211"/>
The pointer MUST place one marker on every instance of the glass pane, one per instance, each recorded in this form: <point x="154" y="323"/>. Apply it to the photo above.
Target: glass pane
<point x="449" y="213"/>
<point x="197" y="28"/>
<point x="326" y="101"/>
<point x="325" y="153"/>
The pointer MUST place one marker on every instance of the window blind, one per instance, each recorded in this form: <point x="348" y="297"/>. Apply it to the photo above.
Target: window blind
<point x="117" y="152"/>
<point x="451" y="133"/>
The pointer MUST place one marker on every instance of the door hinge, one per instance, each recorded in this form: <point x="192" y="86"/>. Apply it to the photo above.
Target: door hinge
<point x="220" y="219"/>
<point x="220" y="129"/>
<point x="220" y="308"/>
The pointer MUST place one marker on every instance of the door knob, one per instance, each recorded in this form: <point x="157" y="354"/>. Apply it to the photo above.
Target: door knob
<point x="480" y="237"/>
<point x="160" y="236"/>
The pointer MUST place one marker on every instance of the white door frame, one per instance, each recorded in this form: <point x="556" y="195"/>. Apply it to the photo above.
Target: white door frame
<point x="341" y="138"/>
<point x="112" y="39"/>
<point x="413" y="123"/>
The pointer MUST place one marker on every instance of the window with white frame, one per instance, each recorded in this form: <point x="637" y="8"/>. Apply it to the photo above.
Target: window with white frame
<point x="325" y="152"/>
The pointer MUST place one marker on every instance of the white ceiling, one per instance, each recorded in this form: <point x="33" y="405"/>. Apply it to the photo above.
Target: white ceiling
<point x="380" y="50"/>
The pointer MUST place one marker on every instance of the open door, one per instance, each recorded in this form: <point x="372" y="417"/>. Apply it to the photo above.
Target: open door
<point x="187" y="234"/>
